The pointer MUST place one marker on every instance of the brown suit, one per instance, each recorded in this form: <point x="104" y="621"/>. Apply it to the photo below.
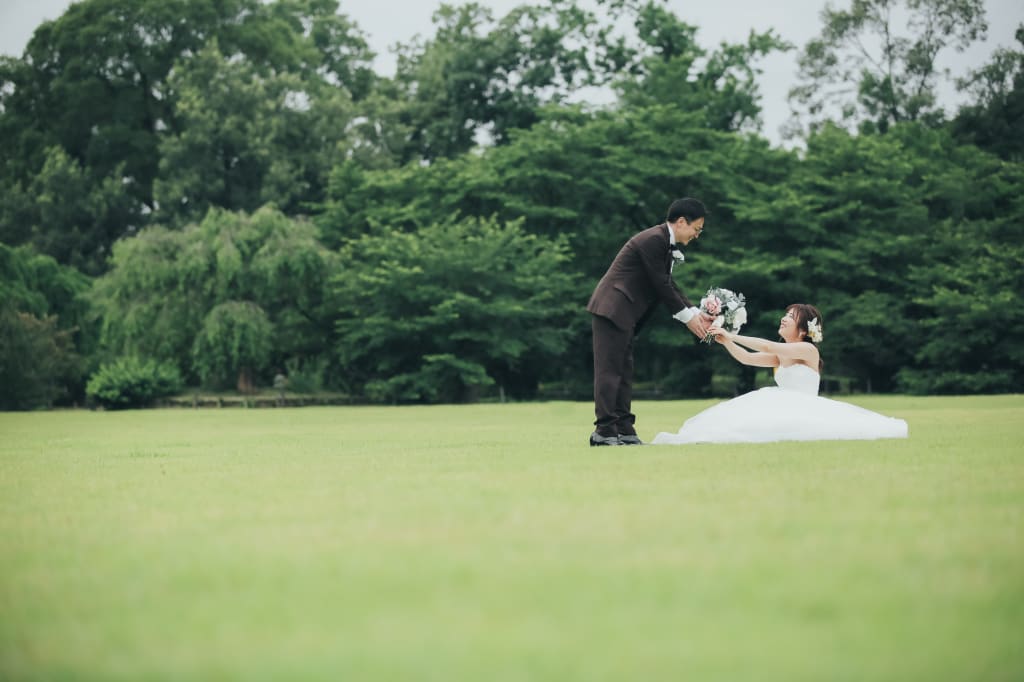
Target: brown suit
<point x="638" y="278"/>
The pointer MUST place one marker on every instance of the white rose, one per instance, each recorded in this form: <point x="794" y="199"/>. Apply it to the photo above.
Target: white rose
<point x="740" y="317"/>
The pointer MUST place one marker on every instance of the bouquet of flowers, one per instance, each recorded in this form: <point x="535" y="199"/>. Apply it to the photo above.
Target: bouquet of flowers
<point x="727" y="307"/>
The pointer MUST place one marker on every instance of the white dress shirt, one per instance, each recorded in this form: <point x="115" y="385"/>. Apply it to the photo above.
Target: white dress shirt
<point x="686" y="314"/>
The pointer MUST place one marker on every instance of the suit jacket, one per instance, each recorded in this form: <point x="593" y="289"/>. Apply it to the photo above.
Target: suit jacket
<point x="639" y="277"/>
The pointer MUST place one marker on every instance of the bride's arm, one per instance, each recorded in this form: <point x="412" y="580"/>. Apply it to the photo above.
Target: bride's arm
<point x="803" y="351"/>
<point x="742" y="354"/>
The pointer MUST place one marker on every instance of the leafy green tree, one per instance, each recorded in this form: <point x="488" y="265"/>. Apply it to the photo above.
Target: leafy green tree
<point x="37" y="284"/>
<point x="66" y="213"/>
<point x="247" y="139"/>
<point x="862" y="65"/>
<point x="629" y="181"/>
<point x="478" y="75"/>
<point x="871" y="228"/>
<point x="672" y="69"/>
<point x="233" y="345"/>
<point x="966" y="284"/>
<point x="113" y="61"/>
<point x="843" y="228"/>
<point x="163" y="285"/>
<point x="37" y="360"/>
<point x="151" y="302"/>
<point x="439" y="314"/>
<point x="197" y="112"/>
<point x="44" y="330"/>
<point x="995" y="119"/>
<point x="979" y="292"/>
<point x="479" y="78"/>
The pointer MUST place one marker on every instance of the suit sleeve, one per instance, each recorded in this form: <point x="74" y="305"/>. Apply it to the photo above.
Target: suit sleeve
<point x="658" y="270"/>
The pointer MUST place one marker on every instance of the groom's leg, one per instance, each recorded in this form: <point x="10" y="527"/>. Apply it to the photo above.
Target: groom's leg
<point x="611" y="348"/>
<point x="624" y="417"/>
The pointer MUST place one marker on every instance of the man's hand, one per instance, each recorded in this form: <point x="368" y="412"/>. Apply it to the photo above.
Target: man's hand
<point x="698" y="325"/>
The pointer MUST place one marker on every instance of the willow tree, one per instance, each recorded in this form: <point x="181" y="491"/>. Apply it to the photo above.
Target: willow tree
<point x="220" y="298"/>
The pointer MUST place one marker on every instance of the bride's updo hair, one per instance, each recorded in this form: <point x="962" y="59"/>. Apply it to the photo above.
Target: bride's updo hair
<point x="804" y="313"/>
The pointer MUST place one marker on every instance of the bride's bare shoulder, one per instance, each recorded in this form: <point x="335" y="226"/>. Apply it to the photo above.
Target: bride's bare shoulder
<point x="801" y="363"/>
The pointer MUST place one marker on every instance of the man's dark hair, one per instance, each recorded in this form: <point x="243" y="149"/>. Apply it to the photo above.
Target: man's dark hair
<point x="688" y="208"/>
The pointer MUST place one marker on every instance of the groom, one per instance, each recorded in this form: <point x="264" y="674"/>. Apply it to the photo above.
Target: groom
<point x="639" y="277"/>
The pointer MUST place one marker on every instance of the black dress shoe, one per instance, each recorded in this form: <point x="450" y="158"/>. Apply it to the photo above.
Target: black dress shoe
<point x="598" y="439"/>
<point x="631" y="440"/>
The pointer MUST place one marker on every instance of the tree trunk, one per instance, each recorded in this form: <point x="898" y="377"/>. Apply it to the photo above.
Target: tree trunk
<point x="245" y="384"/>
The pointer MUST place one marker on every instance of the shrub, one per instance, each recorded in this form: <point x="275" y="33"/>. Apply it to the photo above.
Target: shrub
<point x="131" y="382"/>
<point x="306" y="377"/>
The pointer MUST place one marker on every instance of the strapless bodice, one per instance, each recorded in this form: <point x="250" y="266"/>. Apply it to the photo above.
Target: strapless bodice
<point x="799" y="378"/>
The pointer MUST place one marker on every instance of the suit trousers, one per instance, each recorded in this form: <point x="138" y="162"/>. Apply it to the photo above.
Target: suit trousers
<point x="613" y="378"/>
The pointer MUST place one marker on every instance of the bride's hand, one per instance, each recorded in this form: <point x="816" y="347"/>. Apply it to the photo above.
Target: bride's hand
<point x="721" y="336"/>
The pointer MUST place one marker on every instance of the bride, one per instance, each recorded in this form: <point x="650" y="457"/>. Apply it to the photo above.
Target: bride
<point x="791" y="411"/>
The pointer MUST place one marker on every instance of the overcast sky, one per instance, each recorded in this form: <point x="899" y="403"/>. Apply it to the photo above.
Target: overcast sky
<point x="388" y="22"/>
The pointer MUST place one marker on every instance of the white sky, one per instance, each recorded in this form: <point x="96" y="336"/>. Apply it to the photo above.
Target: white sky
<point x="387" y="22"/>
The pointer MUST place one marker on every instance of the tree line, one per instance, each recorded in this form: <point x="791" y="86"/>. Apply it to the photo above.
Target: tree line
<point x="210" y="193"/>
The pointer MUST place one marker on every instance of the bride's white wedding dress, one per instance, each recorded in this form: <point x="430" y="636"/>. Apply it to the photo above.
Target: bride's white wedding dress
<point x="791" y="411"/>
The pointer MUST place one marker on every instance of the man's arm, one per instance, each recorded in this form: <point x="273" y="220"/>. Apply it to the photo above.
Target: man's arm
<point x="652" y="253"/>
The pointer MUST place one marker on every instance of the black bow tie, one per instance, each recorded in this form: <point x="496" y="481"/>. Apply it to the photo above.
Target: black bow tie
<point x="675" y="247"/>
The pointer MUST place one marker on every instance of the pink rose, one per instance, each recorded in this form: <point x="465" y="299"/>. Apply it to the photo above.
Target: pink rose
<point x="712" y="305"/>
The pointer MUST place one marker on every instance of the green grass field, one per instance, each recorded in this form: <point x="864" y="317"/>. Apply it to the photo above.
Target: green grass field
<point x="488" y="542"/>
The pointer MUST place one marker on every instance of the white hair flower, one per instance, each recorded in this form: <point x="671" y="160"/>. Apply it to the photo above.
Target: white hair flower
<point x="814" y="330"/>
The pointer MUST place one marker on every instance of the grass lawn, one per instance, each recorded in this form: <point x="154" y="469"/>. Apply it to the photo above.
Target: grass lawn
<point x="488" y="542"/>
